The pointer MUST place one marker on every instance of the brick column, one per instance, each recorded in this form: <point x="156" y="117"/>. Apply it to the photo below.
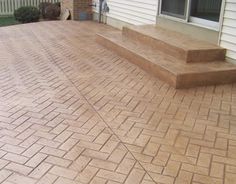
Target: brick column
<point x="68" y="4"/>
<point x="79" y="9"/>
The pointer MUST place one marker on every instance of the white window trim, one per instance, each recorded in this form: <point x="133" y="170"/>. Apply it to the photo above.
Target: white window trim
<point x="204" y="23"/>
<point x="221" y="19"/>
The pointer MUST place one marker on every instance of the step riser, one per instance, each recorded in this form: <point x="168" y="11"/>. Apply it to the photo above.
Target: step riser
<point x="206" y="55"/>
<point x="138" y="60"/>
<point x="205" y="79"/>
<point x="178" y="81"/>
<point x="189" y="56"/>
<point x="155" y="44"/>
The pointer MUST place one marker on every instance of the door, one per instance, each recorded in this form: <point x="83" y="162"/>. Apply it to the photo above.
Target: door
<point x="205" y="12"/>
<point x="201" y="12"/>
<point x="176" y="8"/>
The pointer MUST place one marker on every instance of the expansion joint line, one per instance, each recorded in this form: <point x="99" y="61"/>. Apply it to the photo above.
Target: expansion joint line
<point x="60" y="70"/>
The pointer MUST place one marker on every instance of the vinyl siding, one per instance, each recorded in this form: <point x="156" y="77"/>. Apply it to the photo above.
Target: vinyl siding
<point x="228" y="34"/>
<point x="137" y="12"/>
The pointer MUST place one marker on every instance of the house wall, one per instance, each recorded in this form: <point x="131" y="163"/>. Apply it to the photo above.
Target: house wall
<point x="228" y="31"/>
<point x="135" y="12"/>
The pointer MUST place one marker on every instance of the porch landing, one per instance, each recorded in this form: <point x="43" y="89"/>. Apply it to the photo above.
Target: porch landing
<point x="177" y="59"/>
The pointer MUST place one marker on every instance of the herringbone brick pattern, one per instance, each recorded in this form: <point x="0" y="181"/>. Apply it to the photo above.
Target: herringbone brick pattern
<point x="72" y="112"/>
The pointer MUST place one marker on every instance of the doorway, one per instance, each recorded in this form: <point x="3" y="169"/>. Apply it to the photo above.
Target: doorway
<point x="206" y="12"/>
<point x="201" y="12"/>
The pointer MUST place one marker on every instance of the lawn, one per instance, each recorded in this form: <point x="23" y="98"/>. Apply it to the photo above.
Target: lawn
<point x="7" y="21"/>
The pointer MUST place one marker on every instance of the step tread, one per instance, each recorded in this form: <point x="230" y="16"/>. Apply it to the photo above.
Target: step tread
<point x="177" y="39"/>
<point x="168" y="62"/>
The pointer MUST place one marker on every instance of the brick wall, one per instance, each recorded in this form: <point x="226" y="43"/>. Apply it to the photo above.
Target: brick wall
<point x="79" y="9"/>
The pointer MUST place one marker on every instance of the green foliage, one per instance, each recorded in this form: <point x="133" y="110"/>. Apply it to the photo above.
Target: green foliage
<point x="7" y="21"/>
<point x="58" y="4"/>
<point x="52" y="11"/>
<point x="42" y="8"/>
<point x="27" y="14"/>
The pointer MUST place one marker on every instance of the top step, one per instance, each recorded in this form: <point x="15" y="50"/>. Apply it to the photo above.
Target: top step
<point x="175" y="44"/>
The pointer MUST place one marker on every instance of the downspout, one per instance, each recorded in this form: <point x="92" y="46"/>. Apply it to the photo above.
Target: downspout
<point x="158" y="10"/>
<point x="221" y="20"/>
<point x="100" y="11"/>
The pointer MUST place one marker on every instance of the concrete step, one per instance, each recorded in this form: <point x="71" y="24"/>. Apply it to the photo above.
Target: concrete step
<point x="175" y="44"/>
<point x="166" y="67"/>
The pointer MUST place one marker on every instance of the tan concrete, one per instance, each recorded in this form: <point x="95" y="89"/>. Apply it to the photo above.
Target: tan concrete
<point x="195" y="31"/>
<point x="72" y="112"/>
<point x="175" y="44"/>
<point x="179" y="60"/>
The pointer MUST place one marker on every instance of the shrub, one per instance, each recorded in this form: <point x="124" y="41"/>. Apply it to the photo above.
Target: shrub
<point x="58" y="4"/>
<point x="27" y="14"/>
<point x="42" y="8"/>
<point x="52" y="12"/>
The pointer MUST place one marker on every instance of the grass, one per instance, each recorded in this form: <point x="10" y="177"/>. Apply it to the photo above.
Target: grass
<point x="7" y="21"/>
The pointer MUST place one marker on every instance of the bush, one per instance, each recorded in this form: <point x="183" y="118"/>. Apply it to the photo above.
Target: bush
<point x="27" y="14"/>
<point x="58" y="4"/>
<point x="52" y="12"/>
<point x="42" y="8"/>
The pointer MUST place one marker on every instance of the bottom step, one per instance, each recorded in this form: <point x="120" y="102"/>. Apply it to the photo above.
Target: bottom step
<point x="171" y="70"/>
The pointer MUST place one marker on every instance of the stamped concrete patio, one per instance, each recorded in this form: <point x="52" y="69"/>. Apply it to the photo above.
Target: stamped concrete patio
<point x="72" y="112"/>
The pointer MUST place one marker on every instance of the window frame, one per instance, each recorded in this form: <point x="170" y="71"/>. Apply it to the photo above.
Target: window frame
<point x="194" y="20"/>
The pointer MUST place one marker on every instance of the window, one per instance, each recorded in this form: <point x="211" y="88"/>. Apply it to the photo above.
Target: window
<point x="175" y="8"/>
<point x="204" y="12"/>
<point x="206" y="9"/>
